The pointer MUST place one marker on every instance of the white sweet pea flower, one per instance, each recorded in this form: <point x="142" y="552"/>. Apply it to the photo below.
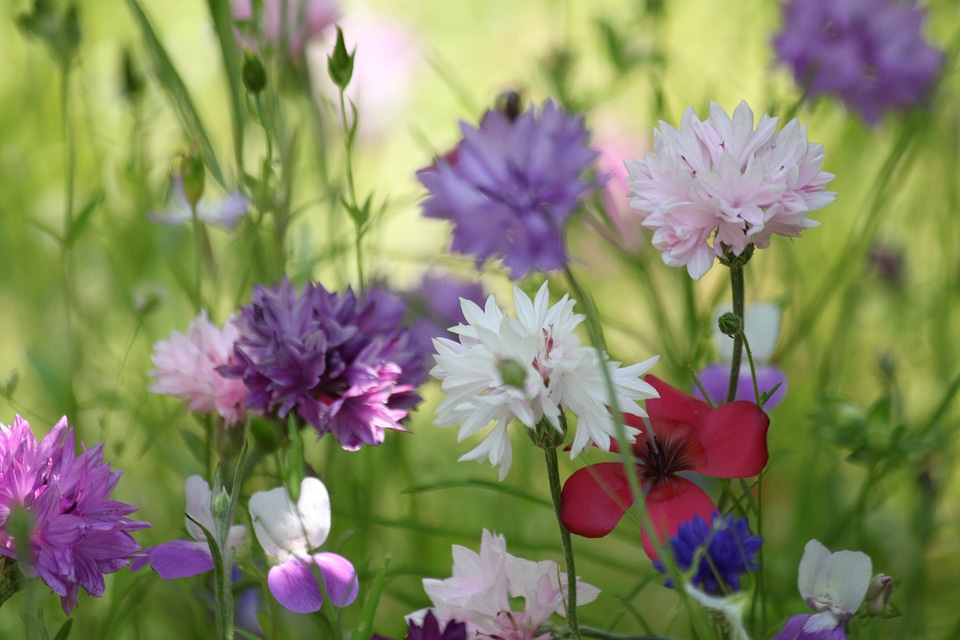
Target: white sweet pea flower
<point x="728" y="608"/>
<point x="288" y="532"/>
<point x="833" y="585"/>
<point x="531" y="368"/>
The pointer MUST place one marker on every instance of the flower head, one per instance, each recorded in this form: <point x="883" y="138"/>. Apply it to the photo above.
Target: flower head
<point x="285" y="25"/>
<point x="186" y="367"/>
<point x="833" y="585"/>
<point x="870" y="53"/>
<point x="723" y="550"/>
<point x="183" y="558"/>
<point x="716" y="187"/>
<point x="429" y="629"/>
<point x="684" y="435"/>
<point x="343" y="365"/>
<point x="435" y="306"/>
<point x="479" y="592"/>
<point x="762" y="326"/>
<point x="289" y="532"/>
<point x="224" y="213"/>
<point x="510" y="186"/>
<point x="531" y="368"/>
<point x="78" y="533"/>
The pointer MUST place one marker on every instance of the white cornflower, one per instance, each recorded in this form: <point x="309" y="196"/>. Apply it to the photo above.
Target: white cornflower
<point x="531" y="368"/>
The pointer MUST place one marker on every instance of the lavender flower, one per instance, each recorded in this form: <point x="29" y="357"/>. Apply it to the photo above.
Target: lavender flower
<point x="870" y="53"/>
<point x="78" y="534"/>
<point x="510" y="186"/>
<point x="225" y="213"/>
<point x="343" y="365"/>
<point x="435" y="306"/>
<point x="283" y="24"/>
<point x="723" y="550"/>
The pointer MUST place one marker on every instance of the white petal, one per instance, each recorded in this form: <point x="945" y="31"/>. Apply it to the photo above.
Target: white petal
<point x="198" y="506"/>
<point x="835" y="582"/>
<point x="283" y="528"/>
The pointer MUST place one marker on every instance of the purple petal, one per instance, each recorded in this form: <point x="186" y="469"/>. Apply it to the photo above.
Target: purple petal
<point x="339" y="578"/>
<point x="180" y="559"/>
<point x="716" y="377"/>
<point x="295" y="587"/>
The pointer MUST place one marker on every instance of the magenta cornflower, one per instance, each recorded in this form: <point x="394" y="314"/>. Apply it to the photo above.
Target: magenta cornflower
<point x="186" y="367"/>
<point x="78" y="533"/>
<point x="713" y="188"/>
<point x="343" y="365"/>
<point x="870" y="53"/>
<point x="510" y="186"/>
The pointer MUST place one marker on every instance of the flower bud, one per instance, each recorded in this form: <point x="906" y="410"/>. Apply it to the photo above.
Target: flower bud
<point x="192" y="172"/>
<point x="878" y="595"/>
<point x="254" y="75"/>
<point x="510" y="104"/>
<point x="730" y="325"/>
<point x="340" y="63"/>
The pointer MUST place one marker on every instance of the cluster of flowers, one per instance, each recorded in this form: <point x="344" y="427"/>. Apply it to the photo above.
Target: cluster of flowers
<point x="344" y="366"/>
<point x="57" y="521"/>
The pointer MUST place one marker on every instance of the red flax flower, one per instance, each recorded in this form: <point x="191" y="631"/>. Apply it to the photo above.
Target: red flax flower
<point x="685" y="434"/>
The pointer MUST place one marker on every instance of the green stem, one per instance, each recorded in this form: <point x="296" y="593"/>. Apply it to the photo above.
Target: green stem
<point x="553" y="473"/>
<point x="66" y="241"/>
<point x="198" y="270"/>
<point x="351" y="187"/>
<point x="737" y="291"/>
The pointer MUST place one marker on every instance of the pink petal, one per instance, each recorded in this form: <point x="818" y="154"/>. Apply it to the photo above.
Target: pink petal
<point x="295" y="587"/>
<point x="670" y="502"/>
<point x="594" y="499"/>
<point x="339" y="578"/>
<point x="733" y="438"/>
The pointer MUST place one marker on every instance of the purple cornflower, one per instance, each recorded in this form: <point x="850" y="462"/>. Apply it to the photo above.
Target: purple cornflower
<point x="510" y="186"/>
<point x="871" y="53"/>
<point x="723" y="550"/>
<point x="435" y="306"/>
<point x="78" y="534"/>
<point x="344" y="365"/>
<point x="430" y="630"/>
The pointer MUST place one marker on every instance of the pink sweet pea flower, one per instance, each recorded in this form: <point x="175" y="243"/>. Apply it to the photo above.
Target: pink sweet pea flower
<point x="685" y="434"/>
<point x="288" y="532"/>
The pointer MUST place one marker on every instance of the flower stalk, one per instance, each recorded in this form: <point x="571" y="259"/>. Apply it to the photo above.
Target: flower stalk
<point x="553" y="475"/>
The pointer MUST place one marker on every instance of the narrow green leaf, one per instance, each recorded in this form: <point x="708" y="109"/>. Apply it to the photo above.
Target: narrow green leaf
<point x="223" y="24"/>
<point x="176" y="90"/>
<point x="480" y="484"/>
<point x="64" y="631"/>
<point x="362" y="630"/>
<point x="83" y="218"/>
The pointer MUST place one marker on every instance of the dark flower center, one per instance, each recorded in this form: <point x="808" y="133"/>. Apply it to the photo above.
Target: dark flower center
<point x="660" y="459"/>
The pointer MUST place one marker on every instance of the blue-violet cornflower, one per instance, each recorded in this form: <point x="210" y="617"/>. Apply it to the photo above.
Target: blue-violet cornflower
<point x="723" y="550"/>
<point x="870" y="53"/>
<point x="78" y="533"/>
<point x="344" y="365"/>
<point x="510" y="185"/>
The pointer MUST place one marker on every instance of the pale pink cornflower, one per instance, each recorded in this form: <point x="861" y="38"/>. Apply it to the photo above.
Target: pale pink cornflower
<point x="186" y="367"/>
<point x="485" y="587"/>
<point x="713" y="188"/>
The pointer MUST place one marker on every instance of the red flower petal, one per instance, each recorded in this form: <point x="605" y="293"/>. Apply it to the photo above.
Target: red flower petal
<point x="671" y="502"/>
<point x="594" y="499"/>
<point x="727" y="442"/>
<point x="673" y="404"/>
<point x="734" y="440"/>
